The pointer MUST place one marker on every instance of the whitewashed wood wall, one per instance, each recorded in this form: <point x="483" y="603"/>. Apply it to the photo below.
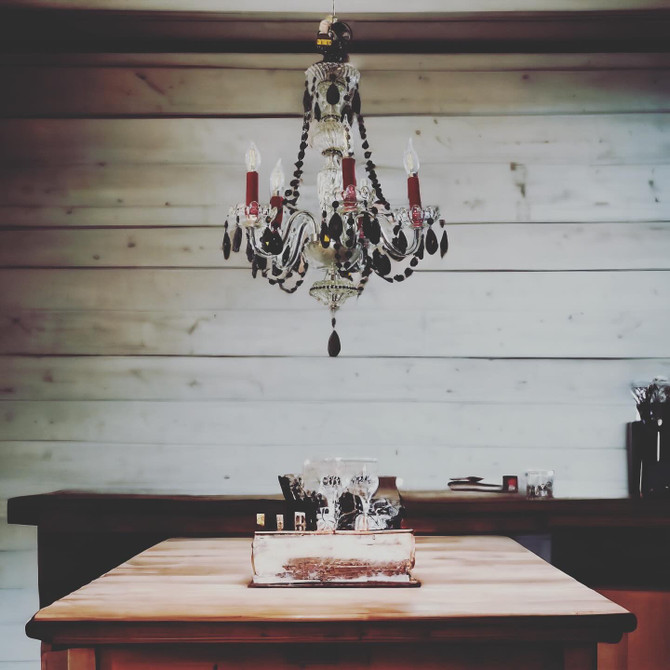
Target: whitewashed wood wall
<point x="134" y="358"/>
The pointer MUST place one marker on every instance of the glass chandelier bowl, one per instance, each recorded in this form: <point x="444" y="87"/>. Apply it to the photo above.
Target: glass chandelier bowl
<point x="355" y="233"/>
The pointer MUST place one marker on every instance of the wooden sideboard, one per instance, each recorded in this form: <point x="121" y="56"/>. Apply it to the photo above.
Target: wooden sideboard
<point x="484" y="602"/>
<point x="620" y="543"/>
<point x="620" y="547"/>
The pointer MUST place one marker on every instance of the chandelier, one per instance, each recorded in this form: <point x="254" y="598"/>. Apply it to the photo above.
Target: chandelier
<point x="355" y="233"/>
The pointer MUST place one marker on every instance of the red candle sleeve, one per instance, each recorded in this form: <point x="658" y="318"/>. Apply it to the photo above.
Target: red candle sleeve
<point x="252" y="187"/>
<point x="348" y="172"/>
<point x="278" y="202"/>
<point x="413" y="191"/>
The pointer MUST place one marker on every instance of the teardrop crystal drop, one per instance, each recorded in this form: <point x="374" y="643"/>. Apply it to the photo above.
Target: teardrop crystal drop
<point x="381" y="263"/>
<point x="356" y="103"/>
<point x="266" y="239"/>
<point x="226" y="245"/>
<point x="261" y="262"/>
<point x="444" y="244"/>
<point x="334" y="345"/>
<point x="333" y="94"/>
<point x="365" y="223"/>
<point x="335" y="226"/>
<point x="323" y="236"/>
<point x="431" y="242"/>
<point x="276" y="243"/>
<point x="375" y="232"/>
<point x="237" y="239"/>
<point x="306" y="101"/>
<point x="317" y="111"/>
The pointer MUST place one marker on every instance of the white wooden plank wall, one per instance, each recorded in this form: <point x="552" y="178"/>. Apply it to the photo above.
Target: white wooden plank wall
<point x="134" y="358"/>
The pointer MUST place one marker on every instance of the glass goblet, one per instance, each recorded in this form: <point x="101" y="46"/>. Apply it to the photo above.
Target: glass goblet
<point x="325" y="477"/>
<point x="363" y="482"/>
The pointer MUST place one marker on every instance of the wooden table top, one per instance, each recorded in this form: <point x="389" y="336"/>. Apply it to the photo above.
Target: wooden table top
<point x="196" y="590"/>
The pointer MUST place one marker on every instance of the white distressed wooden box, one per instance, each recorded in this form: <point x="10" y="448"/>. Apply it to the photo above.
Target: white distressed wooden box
<point x="351" y="558"/>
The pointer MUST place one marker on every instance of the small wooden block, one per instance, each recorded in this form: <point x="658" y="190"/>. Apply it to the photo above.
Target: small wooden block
<point x="367" y="558"/>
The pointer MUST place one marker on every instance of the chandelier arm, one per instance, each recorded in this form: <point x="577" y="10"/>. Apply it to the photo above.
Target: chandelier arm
<point x="388" y="245"/>
<point x="293" y="236"/>
<point x="298" y="235"/>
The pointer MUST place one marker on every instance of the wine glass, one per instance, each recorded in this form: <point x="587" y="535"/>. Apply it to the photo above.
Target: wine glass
<point x="324" y="476"/>
<point x="363" y="481"/>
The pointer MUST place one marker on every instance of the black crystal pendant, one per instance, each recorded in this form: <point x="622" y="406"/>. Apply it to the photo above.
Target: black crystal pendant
<point x="365" y="222"/>
<point x="323" y="236"/>
<point x="266" y="239"/>
<point x="237" y="239"/>
<point x="444" y="244"/>
<point x="431" y="241"/>
<point x="356" y="103"/>
<point x="226" y="245"/>
<point x="375" y="232"/>
<point x="335" y="226"/>
<point x="334" y="345"/>
<point x="381" y="263"/>
<point x="276" y="243"/>
<point x="261" y="262"/>
<point x="333" y="94"/>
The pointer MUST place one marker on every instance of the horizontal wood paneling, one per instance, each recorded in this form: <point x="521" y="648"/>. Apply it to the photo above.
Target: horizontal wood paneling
<point x="162" y="91"/>
<point x="217" y="289"/>
<point x="608" y="333"/>
<point x="18" y="569"/>
<point x="223" y="468"/>
<point x="18" y="606"/>
<point x="465" y="192"/>
<point x="390" y="8"/>
<point x="13" y="538"/>
<point x="440" y="141"/>
<point x="18" y="648"/>
<point x="303" y="424"/>
<point x="366" y="62"/>
<point x="412" y="379"/>
<point x="484" y="246"/>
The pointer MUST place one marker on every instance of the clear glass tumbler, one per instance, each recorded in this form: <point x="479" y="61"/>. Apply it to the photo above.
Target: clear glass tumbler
<point x="539" y="484"/>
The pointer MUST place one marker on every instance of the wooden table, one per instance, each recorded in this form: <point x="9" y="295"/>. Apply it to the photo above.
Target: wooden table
<point x="185" y="604"/>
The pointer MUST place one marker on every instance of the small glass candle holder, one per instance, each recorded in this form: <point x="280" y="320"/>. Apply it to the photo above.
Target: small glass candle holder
<point x="539" y="484"/>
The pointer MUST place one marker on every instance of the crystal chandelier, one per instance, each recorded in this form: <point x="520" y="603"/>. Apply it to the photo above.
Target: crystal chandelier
<point x="355" y="233"/>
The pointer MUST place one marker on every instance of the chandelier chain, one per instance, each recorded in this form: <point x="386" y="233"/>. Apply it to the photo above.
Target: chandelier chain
<point x="370" y="167"/>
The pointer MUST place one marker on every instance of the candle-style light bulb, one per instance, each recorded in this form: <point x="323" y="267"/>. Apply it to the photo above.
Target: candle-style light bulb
<point x="410" y="159"/>
<point x="253" y="158"/>
<point x="277" y="179"/>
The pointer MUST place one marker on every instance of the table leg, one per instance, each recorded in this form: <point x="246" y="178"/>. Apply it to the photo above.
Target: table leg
<point x="68" y="659"/>
<point x="580" y="656"/>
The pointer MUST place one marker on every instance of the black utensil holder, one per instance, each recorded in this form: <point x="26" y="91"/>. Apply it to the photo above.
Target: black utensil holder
<point x="648" y="477"/>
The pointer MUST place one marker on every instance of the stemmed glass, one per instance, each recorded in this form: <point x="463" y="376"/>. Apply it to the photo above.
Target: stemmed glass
<point x="363" y="481"/>
<point x="325" y="477"/>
